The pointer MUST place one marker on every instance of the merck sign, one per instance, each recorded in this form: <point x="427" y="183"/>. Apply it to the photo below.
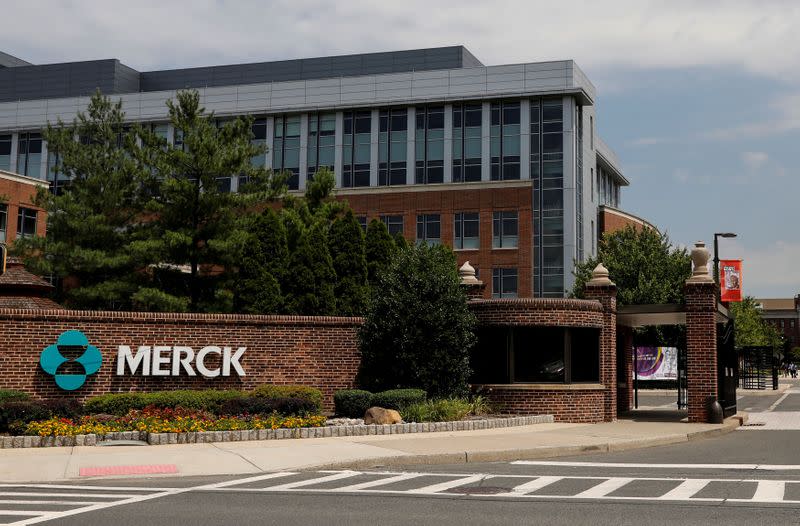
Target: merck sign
<point x="166" y="360"/>
<point x="72" y="349"/>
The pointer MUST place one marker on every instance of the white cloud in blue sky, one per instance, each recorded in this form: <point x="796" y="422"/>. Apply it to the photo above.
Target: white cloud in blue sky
<point x="701" y="100"/>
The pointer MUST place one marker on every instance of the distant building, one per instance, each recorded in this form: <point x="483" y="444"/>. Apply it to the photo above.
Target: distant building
<point x="503" y="163"/>
<point x="19" y="216"/>
<point x="784" y="315"/>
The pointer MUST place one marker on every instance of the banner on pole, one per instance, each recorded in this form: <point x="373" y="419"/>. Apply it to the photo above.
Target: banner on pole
<point x="730" y="279"/>
<point x="657" y="363"/>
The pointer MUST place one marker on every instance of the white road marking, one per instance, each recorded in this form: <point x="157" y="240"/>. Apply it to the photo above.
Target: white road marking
<point x="777" y="402"/>
<point x="685" y="490"/>
<point x="770" y="491"/>
<point x="311" y="482"/>
<point x="78" y="487"/>
<point x="63" y="494"/>
<point x="749" y="467"/>
<point x="529" y="487"/>
<point x="39" y="501"/>
<point x="380" y="482"/>
<point x="248" y="480"/>
<point x="436" y="488"/>
<point x="604" y="488"/>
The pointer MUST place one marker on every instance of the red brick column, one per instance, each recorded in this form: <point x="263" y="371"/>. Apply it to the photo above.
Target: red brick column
<point x="701" y="348"/>
<point x="625" y="364"/>
<point x="605" y="291"/>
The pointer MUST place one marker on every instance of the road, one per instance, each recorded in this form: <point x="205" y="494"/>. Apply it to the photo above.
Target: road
<point x="751" y="476"/>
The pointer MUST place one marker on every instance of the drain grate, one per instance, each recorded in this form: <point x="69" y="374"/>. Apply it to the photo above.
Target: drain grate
<point x="755" y="424"/>
<point x="478" y="490"/>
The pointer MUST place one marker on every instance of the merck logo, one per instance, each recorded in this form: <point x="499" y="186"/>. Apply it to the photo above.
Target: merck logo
<point x="70" y="355"/>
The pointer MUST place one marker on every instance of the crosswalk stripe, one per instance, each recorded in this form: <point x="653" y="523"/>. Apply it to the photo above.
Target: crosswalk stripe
<point x="72" y="494"/>
<point x="685" y="489"/>
<point x="60" y="502"/>
<point x="529" y="487"/>
<point x="604" y="488"/>
<point x="23" y="513"/>
<point x="436" y="488"/>
<point x="311" y="482"/>
<point x="770" y="491"/>
<point x="379" y="482"/>
<point x="247" y="480"/>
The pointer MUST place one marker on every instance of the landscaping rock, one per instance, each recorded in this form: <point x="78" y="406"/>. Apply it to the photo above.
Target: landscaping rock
<point x="379" y="415"/>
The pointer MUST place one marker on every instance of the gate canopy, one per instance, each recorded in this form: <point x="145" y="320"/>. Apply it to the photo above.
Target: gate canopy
<point x="659" y="314"/>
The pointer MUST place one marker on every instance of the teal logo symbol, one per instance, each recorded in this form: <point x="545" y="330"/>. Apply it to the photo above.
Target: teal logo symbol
<point x="71" y="354"/>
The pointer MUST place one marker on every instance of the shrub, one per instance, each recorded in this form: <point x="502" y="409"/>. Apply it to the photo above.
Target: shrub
<point x="121" y="403"/>
<point x="352" y="403"/>
<point x="15" y="415"/>
<point x="397" y="398"/>
<point x="254" y="405"/>
<point x="311" y="394"/>
<point x="417" y="330"/>
<point x="441" y="410"/>
<point x="9" y="395"/>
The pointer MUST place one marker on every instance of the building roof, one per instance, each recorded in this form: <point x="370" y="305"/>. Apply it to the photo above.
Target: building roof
<point x="24" y="179"/>
<point x="28" y="303"/>
<point x="26" y="81"/>
<point x="768" y="304"/>
<point x="17" y="282"/>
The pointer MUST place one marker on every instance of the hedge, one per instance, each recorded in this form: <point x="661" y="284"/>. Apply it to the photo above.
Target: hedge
<point x="121" y="403"/>
<point x="9" y="395"/>
<point x="254" y="405"/>
<point x="15" y="415"/>
<point x="312" y="395"/>
<point x="352" y="403"/>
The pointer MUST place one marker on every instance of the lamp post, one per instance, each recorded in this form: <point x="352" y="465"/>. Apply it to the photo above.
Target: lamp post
<point x="716" y="255"/>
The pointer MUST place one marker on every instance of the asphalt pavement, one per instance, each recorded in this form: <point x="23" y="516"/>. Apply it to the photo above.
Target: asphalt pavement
<point x="749" y="476"/>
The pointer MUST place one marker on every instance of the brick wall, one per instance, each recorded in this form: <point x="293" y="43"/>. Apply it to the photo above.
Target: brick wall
<point x="465" y="198"/>
<point x="317" y="351"/>
<point x="607" y="296"/>
<point x="701" y="348"/>
<point x="15" y="192"/>
<point x="611" y="220"/>
<point x="583" y="405"/>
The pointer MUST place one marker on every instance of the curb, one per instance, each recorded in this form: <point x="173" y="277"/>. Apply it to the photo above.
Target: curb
<point x="467" y="457"/>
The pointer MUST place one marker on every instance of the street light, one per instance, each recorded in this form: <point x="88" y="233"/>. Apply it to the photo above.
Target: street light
<point x="716" y="250"/>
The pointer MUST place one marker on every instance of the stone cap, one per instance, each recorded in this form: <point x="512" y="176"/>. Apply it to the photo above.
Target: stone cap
<point x="600" y="277"/>
<point x="700" y="256"/>
<point x="467" y="275"/>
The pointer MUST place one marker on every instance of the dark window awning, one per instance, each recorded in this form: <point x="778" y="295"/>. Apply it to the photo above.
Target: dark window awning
<point x="659" y="314"/>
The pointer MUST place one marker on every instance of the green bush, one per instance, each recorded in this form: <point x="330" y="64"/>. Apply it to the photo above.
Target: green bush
<point x="15" y="415"/>
<point x="303" y="392"/>
<point x="9" y="395"/>
<point x="441" y="410"/>
<point x="398" y="398"/>
<point x="352" y="403"/>
<point x="119" y="404"/>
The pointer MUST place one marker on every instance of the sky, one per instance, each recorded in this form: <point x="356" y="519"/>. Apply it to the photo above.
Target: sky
<point x="700" y="100"/>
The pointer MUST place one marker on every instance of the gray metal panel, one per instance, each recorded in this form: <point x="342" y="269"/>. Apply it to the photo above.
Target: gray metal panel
<point x="10" y="61"/>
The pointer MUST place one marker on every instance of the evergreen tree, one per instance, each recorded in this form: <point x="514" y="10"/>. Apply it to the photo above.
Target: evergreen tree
<point x="346" y="243"/>
<point x="263" y="266"/>
<point x="751" y="329"/>
<point x="418" y="330"/>
<point x="196" y="222"/>
<point x="310" y="279"/>
<point x="380" y="248"/>
<point x="93" y="230"/>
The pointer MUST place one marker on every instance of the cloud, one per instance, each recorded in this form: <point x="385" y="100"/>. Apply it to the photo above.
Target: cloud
<point x="768" y="271"/>
<point x="784" y="117"/>
<point x="754" y="160"/>
<point x="648" y="141"/>
<point x="599" y="35"/>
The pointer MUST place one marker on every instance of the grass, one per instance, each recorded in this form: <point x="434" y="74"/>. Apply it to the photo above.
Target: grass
<point x="444" y="409"/>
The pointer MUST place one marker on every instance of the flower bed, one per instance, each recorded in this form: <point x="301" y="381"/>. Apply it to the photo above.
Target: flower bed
<point x="155" y="420"/>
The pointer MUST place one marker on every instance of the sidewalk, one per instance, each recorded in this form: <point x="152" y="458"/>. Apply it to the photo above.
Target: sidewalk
<point x="242" y="458"/>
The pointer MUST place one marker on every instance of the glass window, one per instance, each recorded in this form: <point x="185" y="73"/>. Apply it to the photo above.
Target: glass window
<point x="430" y="145"/>
<point x="3" y="222"/>
<point x="356" y="150"/>
<point x="259" y="139"/>
<point x="26" y="222"/>
<point x="505" y="140"/>
<point x="29" y="154"/>
<point x="321" y="142"/>
<point x="286" y="149"/>
<point x="504" y="283"/>
<point x="394" y="224"/>
<point x="467" y="142"/>
<point x="5" y="152"/>
<point x="465" y="230"/>
<point x="362" y="220"/>
<point x="505" y="229"/>
<point x="429" y="229"/>
<point x="392" y="146"/>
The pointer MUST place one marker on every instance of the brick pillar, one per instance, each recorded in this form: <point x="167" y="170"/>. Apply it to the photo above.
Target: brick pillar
<point x="605" y="291"/>
<point x="625" y="364"/>
<point x="701" y="336"/>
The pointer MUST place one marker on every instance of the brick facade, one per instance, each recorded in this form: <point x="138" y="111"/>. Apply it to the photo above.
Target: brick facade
<point x="17" y="191"/>
<point x="464" y="197"/>
<point x="566" y="405"/>
<point x="701" y="348"/>
<point x="316" y="351"/>
<point x="607" y="296"/>
<point x="610" y="220"/>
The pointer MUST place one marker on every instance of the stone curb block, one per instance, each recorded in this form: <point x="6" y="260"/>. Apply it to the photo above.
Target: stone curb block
<point x="205" y="437"/>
